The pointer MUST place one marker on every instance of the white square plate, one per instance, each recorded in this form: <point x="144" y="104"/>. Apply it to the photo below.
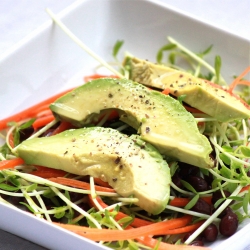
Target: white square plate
<point x="48" y="62"/>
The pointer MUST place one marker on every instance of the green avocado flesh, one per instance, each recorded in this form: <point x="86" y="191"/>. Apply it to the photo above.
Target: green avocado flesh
<point x="160" y="120"/>
<point x="201" y="94"/>
<point x="130" y="165"/>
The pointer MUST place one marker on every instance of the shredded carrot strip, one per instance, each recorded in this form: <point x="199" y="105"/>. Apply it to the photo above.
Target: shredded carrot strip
<point x="185" y="229"/>
<point x="31" y="111"/>
<point x="46" y="173"/>
<point x="182" y="202"/>
<point x="101" y="183"/>
<point x="245" y="188"/>
<point x="43" y="121"/>
<point x="45" y="112"/>
<point x="80" y="184"/>
<point x="237" y="80"/>
<point x="11" y="140"/>
<point x="11" y="163"/>
<point x="151" y="242"/>
<point x="157" y="228"/>
<point x="62" y="127"/>
<point x="41" y="108"/>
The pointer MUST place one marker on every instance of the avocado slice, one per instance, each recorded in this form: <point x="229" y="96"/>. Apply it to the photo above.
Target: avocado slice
<point x="210" y="98"/>
<point x="159" y="119"/>
<point x="130" y="165"/>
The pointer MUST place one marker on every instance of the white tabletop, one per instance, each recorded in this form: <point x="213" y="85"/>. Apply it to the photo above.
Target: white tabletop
<point x="19" y="18"/>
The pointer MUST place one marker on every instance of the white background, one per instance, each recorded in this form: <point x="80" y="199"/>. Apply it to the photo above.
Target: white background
<point x="20" y="17"/>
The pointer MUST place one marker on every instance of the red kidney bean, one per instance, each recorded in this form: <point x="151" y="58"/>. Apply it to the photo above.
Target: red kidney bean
<point x="187" y="170"/>
<point x="187" y="235"/>
<point x="198" y="183"/>
<point x="228" y="224"/>
<point x="218" y="195"/>
<point x="202" y="207"/>
<point x="177" y="180"/>
<point x="197" y="243"/>
<point x="224" y="212"/>
<point x="210" y="233"/>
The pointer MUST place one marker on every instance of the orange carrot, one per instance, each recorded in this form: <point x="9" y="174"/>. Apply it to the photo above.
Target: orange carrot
<point x="41" y="108"/>
<point x="80" y="184"/>
<point x="166" y="91"/>
<point x="46" y="173"/>
<point x="151" y="242"/>
<point x="97" y="76"/>
<point x="43" y="113"/>
<point x="102" y="183"/>
<point x="185" y="229"/>
<point x="245" y="188"/>
<point x="182" y="202"/>
<point x="137" y="222"/>
<point x="11" y="163"/>
<point x="62" y="127"/>
<point x="11" y="140"/>
<point x="31" y="111"/>
<point x="157" y="228"/>
<point x="238" y="81"/>
<point x="43" y="121"/>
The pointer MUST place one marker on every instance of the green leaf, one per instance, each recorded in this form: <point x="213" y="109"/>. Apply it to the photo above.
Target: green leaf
<point x="188" y="186"/>
<point x="31" y="187"/>
<point x="117" y="47"/>
<point x="133" y="246"/>
<point x="226" y="172"/>
<point x="2" y="180"/>
<point x="166" y="47"/>
<point x="12" y="124"/>
<point x="7" y="187"/>
<point x="173" y="167"/>
<point x="59" y="212"/>
<point x="4" y="149"/>
<point x="69" y="215"/>
<point x="19" y="129"/>
<point x="227" y="149"/>
<point x="206" y="51"/>
<point x="192" y="202"/>
<point x="16" y="137"/>
<point x="245" y="203"/>
<point x="171" y="58"/>
<point x="126" y="221"/>
<point x="67" y="194"/>
<point x="240" y="216"/>
<point x="235" y="198"/>
<point x="181" y="98"/>
<point x="14" y="180"/>
<point x="237" y="206"/>
<point x="27" y="124"/>
<point x="28" y="206"/>
<point x="245" y="151"/>
<point x="231" y="187"/>
<point x="49" y="193"/>
<point x="217" y="67"/>
<point x="225" y="158"/>
<point x="218" y="202"/>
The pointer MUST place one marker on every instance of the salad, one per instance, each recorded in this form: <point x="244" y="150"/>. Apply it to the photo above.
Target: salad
<point x="202" y="201"/>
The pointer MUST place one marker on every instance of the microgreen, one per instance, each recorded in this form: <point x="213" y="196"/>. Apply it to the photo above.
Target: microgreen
<point x="117" y="48"/>
<point x="166" y="47"/>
